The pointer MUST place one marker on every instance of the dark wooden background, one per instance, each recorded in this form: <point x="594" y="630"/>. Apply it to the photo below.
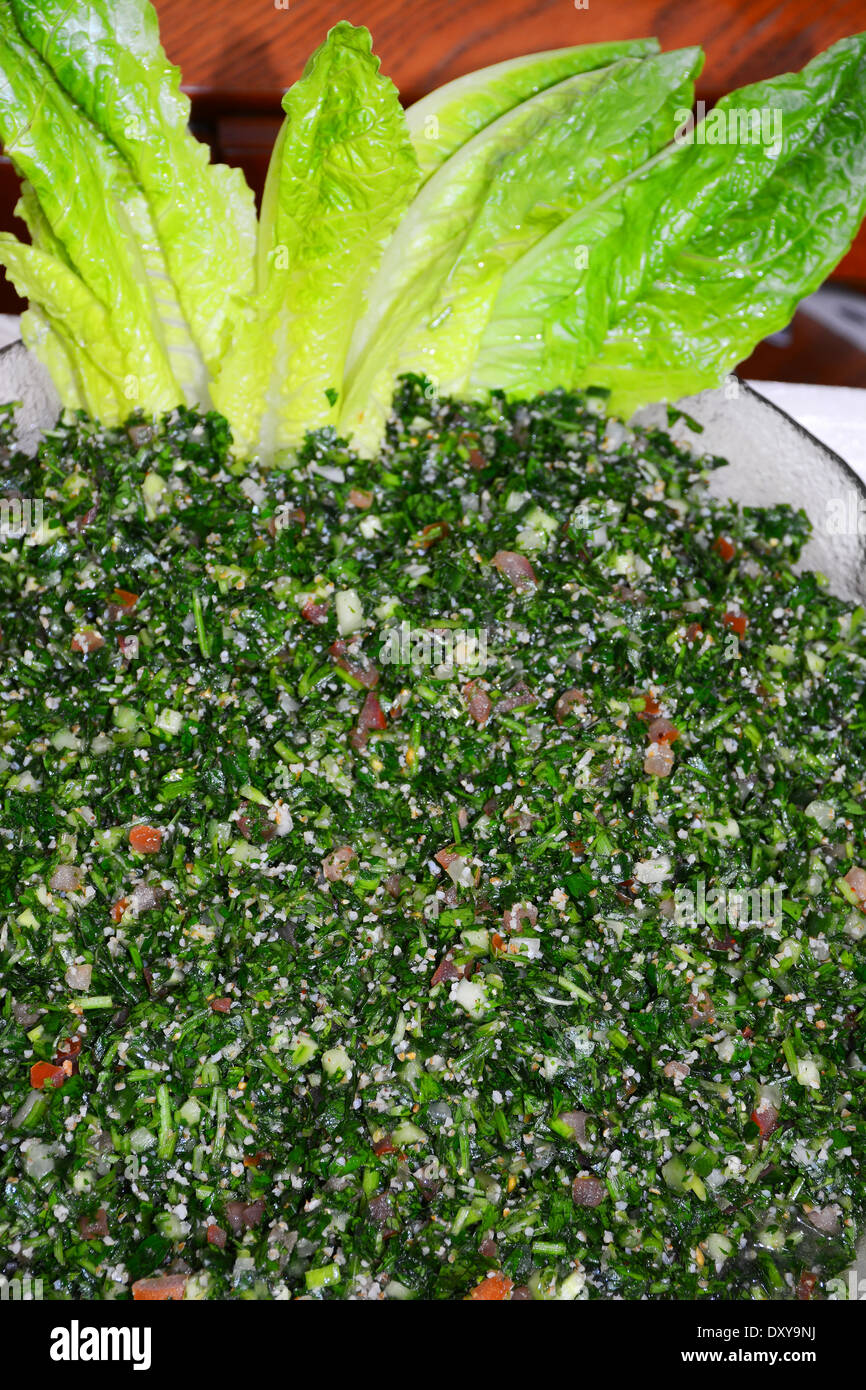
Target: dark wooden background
<point x="238" y="56"/>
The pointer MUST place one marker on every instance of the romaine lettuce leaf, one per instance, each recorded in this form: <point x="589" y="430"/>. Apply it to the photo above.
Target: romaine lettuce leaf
<point x="342" y="173"/>
<point x="52" y="351"/>
<point x="449" y="116"/>
<point x="482" y="210"/>
<point x="561" y="235"/>
<point x="696" y="256"/>
<point x="79" y="181"/>
<point x="106" y="54"/>
<point x="71" y="317"/>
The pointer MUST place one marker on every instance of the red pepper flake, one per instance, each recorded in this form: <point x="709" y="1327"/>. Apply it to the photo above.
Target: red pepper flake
<point x="724" y="547"/>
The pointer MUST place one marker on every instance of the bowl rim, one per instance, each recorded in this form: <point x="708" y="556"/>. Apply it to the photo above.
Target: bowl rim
<point x="846" y="467"/>
<point x="817" y="444"/>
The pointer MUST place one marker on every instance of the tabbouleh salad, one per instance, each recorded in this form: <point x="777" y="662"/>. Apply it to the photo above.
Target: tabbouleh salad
<point x="343" y="958"/>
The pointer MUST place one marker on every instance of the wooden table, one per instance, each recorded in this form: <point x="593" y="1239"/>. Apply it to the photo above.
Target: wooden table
<point x="253" y="49"/>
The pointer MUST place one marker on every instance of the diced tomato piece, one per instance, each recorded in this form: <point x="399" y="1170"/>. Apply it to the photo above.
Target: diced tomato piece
<point x="47" y="1076"/>
<point x="663" y="731"/>
<point x="372" y="716"/>
<point x="384" y="1146"/>
<point x="737" y="622"/>
<point x="221" y="1006"/>
<point x="124" y="599"/>
<point x="68" y="1047"/>
<point x="145" y="839"/>
<point x="253" y="1160"/>
<point x="336" y="865"/>
<point x="806" y="1286"/>
<point x="436" y="531"/>
<point x="361" y="669"/>
<point x="359" y="497"/>
<point x="725" y="548"/>
<point x="568" y="701"/>
<point x="651" y="707"/>
<point x="516" y="569"/>
<point x="256" y="825"/>
<point x="159" y="1289"/>
<point x="479" y="702"/>
<point x="315" y="613"/>
<point x="766" y="1117"/>
<point x="445" y="970"/>
<point x="94" y="1227"/>
<point x="88" y="640"/>
<point x="286" y="516"/>
<point x="78" y="523"/>
<point x="119" y="908"/>
<point x="494" y="1289"/>
<point x="216" y="1236"/>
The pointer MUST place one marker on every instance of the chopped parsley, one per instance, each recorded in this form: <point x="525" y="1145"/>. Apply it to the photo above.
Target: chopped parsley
<point x="364" y="833"/>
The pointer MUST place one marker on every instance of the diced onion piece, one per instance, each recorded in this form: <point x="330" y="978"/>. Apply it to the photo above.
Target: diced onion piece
<point x="350" y="612"/>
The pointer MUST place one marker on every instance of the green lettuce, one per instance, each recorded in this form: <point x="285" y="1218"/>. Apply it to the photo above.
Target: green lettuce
<point x="107" y="56"/>
<point x="696" y="256"/>
<point x="540" y="223"/>
<point x="449" y="116"/>
<point x="342" y="174"/>
<point x="486" y="206"/>
<point x="85" y="199"/>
